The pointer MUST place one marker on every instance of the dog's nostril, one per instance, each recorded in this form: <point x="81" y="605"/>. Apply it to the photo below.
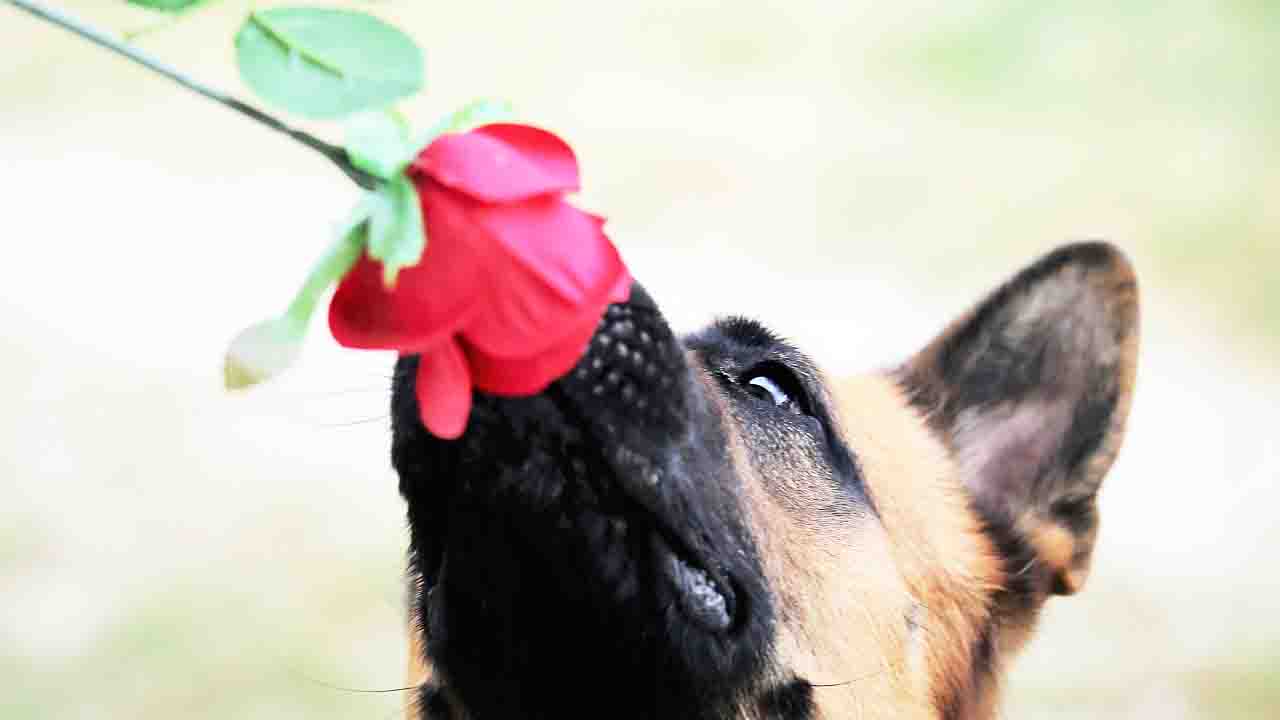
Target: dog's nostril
<point x="631" y="365"/>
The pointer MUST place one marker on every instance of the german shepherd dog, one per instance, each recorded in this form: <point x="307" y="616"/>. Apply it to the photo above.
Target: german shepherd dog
<point x="706" y="528"/>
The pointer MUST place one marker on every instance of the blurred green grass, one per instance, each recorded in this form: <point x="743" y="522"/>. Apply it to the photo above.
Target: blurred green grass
<point x="1206" y="66"/>
<point x="1246" y="692"/>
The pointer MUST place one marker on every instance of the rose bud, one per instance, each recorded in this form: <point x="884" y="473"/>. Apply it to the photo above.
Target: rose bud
<point x="512" y="282"/>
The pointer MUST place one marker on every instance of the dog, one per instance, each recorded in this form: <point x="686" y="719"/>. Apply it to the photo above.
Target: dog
<point x="706" y="528"/>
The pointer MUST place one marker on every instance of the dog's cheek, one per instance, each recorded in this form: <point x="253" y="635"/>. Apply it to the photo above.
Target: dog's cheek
<point x="839" y="603"/>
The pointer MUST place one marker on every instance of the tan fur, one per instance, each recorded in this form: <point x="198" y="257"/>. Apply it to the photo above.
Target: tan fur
<point x="836" y="637"/>
<point x="419" y="671"/>
<point x="938" y="548"/>
<point x="1055" y="546"/>
<point x="850" y="592"/>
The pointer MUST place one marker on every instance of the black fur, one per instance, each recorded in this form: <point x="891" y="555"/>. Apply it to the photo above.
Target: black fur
<point x="535" y="540"/>
<point x="792" y="701"/>
<point x="976" y="363"/>
<point x="433" y="705"/>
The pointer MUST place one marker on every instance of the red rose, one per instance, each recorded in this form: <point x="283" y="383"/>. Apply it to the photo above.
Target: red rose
<point x="511" y="285"/>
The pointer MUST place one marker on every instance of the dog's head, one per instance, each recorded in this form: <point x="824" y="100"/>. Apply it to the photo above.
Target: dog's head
<point x="706" y="527"/>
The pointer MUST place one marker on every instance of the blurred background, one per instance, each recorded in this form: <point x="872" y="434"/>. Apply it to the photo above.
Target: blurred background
<point x="854" y="173"/>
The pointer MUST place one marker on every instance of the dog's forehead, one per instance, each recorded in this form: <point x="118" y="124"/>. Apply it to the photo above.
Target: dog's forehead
<point x="738" y="342"/>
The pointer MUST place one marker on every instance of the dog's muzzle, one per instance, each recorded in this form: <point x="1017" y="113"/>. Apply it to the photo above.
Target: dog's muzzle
<point x="599" y="518"/>
<point x="634" y="393"/>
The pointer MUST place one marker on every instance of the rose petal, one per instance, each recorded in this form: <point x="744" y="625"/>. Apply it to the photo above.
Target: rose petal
<point x="431" y="299"/>
<point x="563" y="245"/>
<point x="501" y="163"/>
<point x="621" y="291"/>
<point x="529" y="375"/>
<point x="544" y="291"/>
<point x="444" y="390"/>
<point x="559" y="243"/>
<point x="622" y="284"/>
<point x="522" y="318"/>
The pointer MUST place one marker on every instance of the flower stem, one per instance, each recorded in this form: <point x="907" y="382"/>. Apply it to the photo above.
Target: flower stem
<point x="335" y="153"/>
<point x="340" y="257"/>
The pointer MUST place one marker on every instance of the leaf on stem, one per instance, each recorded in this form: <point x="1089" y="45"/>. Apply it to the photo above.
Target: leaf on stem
<point x="397" y="236"/>
<point x="326" y="63"/>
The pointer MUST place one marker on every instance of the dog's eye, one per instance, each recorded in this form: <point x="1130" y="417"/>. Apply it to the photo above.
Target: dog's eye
<point x="766" y="389"/>
<point x="775" y="385"/>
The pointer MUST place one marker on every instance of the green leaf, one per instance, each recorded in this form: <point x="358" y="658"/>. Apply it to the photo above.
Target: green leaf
<point x="264" y="350"/>
<point x="396" y="233"/>
<point x="324" y="63"/>
<point x="166" y="5"/>
<point x="378" y="143"/>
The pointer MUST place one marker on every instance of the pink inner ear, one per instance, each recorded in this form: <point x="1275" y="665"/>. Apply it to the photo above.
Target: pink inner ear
<point x="1004" y="450"/>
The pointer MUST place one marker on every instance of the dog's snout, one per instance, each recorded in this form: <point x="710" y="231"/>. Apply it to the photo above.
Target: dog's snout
<point x="631" y="373"/>
<point x="595" y="515"/>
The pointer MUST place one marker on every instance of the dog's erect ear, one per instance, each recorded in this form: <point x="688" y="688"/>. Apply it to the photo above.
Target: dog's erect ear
<point x="1031" y="390"/>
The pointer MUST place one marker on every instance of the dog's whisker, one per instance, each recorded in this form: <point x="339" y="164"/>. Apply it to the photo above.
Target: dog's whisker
<point x="860" y="678"/>
<point x="304" y="394"/>
<point x="359" y="421"/>
<point x="359" y="691"/>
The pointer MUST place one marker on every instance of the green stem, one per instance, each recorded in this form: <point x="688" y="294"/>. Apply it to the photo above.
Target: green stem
<point x="63" y="20"/>
<point x="337" y="260"/>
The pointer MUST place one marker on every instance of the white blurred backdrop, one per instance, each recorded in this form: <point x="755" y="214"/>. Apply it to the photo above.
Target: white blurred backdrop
<point x="852" y="173"/>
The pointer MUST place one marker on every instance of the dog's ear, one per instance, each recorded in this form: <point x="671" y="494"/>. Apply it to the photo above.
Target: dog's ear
<point x="1031" y="390"/>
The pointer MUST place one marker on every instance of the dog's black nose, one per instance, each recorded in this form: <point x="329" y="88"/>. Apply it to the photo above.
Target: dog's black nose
<point x="631" y="377"/>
